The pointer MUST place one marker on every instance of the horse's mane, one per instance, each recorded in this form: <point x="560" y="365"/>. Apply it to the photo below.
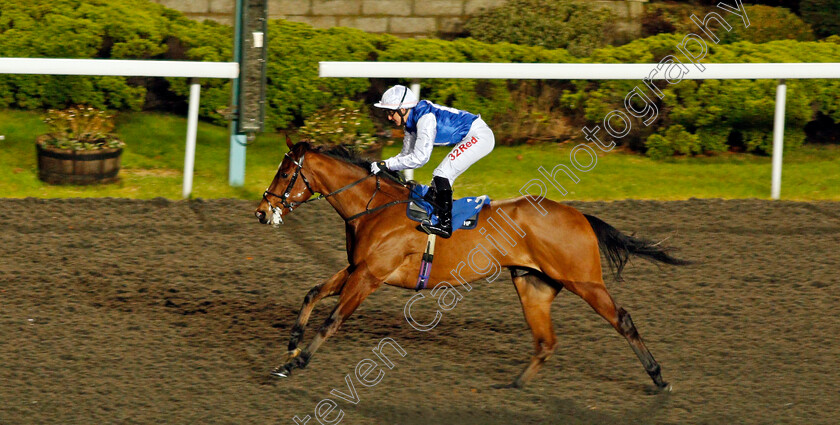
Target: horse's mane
<point x="355" y="158"/>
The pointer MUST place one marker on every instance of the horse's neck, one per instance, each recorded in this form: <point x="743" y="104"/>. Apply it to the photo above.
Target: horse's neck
<point x="337" y="174"/>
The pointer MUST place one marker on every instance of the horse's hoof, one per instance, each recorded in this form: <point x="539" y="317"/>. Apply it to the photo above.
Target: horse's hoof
<point x="281" y="372"/>
<point x="291" y="354"/>
<point x="665" y="388"/>
<point x="512" y="385"/>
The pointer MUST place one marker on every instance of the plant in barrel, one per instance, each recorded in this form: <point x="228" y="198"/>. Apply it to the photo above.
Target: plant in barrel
<point x="348" y="124"/>
<point x="80" y="147"/>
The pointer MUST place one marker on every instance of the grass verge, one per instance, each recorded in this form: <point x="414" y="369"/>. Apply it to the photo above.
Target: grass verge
<point x="153" y="162"/>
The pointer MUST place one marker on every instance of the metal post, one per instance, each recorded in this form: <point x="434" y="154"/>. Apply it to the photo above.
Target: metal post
<point x="778" y="139"/>
<point x="415" y="87"/>
<point x="236" y="160"/>
<point x="236" y="163"/>
<point x="192" y="127"/>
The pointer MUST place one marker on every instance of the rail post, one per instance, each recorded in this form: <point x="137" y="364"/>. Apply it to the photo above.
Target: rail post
<point x="778" y="140"/>
<point x="415" y="87"/>
<point x="192" y="130"/>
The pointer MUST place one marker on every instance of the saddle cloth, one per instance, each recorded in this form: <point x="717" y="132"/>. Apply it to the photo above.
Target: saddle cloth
<point x="464" y="211"/>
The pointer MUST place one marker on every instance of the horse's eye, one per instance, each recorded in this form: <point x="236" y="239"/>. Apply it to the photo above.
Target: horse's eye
<point x="284" y="175"/>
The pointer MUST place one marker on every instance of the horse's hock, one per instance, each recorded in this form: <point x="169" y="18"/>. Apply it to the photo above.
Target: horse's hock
<point x="65" y="166"/>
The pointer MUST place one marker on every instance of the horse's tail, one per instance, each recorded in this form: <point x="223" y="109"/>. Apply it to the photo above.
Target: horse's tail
<point x="618" y="247"/>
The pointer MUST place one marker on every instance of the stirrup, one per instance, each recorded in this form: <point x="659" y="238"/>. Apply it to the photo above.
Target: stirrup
<point x="426" y="227"/>
<point x="422" y="227"/>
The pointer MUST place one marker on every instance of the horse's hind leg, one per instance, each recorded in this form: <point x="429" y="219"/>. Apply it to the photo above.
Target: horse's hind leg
<point x="328" y="288"/>
<point x="595" y="293"/>
<point x="536" y="295"/>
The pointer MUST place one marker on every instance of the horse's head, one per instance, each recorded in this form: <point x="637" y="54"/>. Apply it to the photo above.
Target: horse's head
<point x="289" y="188"/>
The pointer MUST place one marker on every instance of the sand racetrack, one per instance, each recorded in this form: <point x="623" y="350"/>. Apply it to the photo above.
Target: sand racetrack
<point x="119" y="311"/>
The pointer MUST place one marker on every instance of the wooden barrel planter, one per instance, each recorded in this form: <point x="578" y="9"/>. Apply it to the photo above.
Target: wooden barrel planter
<point x="64" y="166"/>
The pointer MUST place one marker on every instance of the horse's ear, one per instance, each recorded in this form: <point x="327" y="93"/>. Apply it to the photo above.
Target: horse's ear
<point x="289" y="142"/>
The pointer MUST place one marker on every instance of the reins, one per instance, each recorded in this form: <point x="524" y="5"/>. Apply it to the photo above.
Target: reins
<point x="298" y="172"/>
<point x="383" y="206"/>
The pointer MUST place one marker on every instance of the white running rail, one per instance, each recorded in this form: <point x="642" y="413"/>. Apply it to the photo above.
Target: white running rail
<point x="135" y="68"/>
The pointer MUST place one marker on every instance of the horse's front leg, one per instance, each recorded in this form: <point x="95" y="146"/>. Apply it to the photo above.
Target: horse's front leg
<point x="358" y="286"/>
<point x="328" y="288"/>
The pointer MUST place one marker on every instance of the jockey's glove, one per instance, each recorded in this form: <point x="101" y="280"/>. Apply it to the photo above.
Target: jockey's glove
<point x="376" y="167"/>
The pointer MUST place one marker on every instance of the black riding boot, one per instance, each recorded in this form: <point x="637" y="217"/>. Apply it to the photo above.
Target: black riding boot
<point x="443" y="208"/>
<point x="430" y="195"/>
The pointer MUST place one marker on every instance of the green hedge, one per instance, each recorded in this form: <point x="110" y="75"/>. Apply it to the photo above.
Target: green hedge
<point x="717" y="111"/>
<point x="295" y="91"/>
<point x="766" y="23"/>
<point x="553" y="24"/>
<point x="118" y="29"/>
<point x="822" y="15"/>
<point x="713" y="112"/>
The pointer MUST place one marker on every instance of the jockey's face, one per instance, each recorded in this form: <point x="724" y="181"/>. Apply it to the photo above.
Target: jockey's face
<point x="395" y="117"/>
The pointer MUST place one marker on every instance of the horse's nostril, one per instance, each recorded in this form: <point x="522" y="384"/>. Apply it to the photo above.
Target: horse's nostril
<point x="260" y="215"/>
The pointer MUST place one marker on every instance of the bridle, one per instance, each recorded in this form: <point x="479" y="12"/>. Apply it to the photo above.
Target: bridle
<point x="294" y="204"/>
<point x="284" y="197"/>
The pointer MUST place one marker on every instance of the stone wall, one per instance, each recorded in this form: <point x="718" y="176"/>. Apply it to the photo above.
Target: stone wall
<point x="414" y="18"/>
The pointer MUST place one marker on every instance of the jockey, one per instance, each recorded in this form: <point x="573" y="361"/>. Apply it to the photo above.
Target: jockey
<point x="427" y="125"/>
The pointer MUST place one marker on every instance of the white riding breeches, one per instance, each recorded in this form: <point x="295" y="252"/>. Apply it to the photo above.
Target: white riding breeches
<point x="478" y="142"/>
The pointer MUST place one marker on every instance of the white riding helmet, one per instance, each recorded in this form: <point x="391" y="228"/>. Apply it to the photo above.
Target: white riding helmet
<point x="397" y="97"/>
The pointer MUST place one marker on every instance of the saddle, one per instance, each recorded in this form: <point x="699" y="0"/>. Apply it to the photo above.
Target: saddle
<point x="464" y="211"/>
<point x="464" y="216"/>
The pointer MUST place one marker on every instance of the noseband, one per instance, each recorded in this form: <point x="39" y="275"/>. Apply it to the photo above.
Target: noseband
<point x="294" y="204"/>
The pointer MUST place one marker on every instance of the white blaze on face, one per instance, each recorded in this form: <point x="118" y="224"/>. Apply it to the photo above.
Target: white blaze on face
<point x="276" y="216"/>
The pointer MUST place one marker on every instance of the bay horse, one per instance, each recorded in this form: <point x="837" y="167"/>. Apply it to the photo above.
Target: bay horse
<point x="560" y="249"/>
